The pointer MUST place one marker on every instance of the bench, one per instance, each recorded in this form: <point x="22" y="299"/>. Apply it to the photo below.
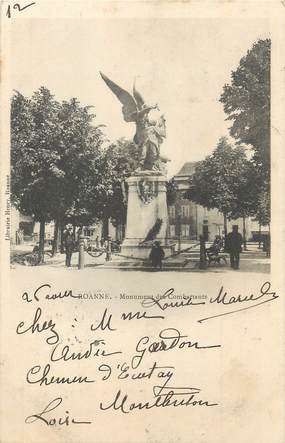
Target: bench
<point x="216" y="257"/>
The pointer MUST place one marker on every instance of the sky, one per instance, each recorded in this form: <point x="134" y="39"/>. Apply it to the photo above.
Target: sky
<point x="181" y="64"/>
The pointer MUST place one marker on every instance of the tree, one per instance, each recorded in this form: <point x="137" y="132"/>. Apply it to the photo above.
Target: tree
<point x="218" y="180"/>
<point x="120" y="160"/>
<point x="247" y="103"/>
<point x="247" y="191"/>
<point x="34" y="136"/>
<point x="172" y="192"/>
<point x="81" y="163"/>
<point x="55" y="159"/>
<point x="263" y="209"/>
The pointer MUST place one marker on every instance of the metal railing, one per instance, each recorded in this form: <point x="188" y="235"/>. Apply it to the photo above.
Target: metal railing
<point x="108" y="250"/>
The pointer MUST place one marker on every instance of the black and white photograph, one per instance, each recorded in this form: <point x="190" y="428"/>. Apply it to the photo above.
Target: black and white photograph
<point x="141" y="215"/>
<point x="143" y="170"/>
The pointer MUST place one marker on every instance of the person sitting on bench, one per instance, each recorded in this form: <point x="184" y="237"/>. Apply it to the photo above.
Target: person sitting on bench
<point x="214" y="252"/>
<point x="216" y="246"/>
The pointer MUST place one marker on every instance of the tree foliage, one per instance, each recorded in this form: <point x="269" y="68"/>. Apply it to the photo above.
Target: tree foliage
<point x="55" y="158"/>
<point x="247" y="103"/>
<point x="172" y="192"/>
<point x="221" y="181"/>
<point x="247" y="189"/>
<point x="263" y="208"/>
<point x="34" y="136"/>
<point x="120" y="160"/>
<point x="82" y="160"/>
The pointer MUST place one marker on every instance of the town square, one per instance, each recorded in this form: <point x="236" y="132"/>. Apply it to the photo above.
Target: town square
<point x="79" y="199"/>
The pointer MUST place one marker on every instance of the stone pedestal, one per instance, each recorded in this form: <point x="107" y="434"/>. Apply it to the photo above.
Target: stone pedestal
<point x="147" y="215"/>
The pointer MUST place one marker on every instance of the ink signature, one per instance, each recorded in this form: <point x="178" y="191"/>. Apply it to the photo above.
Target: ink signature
<point x="54" y="421"/>
<point x="223" y="298"/>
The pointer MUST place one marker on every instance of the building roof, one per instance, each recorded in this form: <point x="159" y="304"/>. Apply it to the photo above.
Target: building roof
<point x="187" y="169"/>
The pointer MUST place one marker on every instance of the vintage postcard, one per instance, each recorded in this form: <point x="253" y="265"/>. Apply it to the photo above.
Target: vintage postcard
<point x="142" y="221"/>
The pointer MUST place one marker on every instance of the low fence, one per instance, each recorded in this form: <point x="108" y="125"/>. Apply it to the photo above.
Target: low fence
<point x="113" y="248"/>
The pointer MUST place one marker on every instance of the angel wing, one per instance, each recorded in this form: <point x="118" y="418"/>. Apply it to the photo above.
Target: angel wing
<point x="138" y="97"/>
<point x="130" y="107"/>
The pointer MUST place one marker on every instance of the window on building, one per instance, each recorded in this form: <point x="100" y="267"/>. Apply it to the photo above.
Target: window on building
<point x="185" y="211"/>
<point x="172" y="230"/>
<point x="88" y="232"/>
<point x="185" y="231"/>
<point x="172" y="211"/>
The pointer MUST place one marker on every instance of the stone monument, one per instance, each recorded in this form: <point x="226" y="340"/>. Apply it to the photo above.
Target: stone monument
<point x="147" y="215"/>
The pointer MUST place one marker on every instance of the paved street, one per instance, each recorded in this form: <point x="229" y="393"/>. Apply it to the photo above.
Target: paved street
<point x="253" y="260"/>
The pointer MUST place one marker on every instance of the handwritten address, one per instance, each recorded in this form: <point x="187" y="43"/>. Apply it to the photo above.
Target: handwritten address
<point x="146" y="358"/>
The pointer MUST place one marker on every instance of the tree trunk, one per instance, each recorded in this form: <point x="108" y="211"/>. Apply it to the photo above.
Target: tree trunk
<point x="118" y="231"/>
<point x="105" y="227"/>
<point x="259" y="237"/>
<point x="225" y="225"/>
<point x="61" y="239"/>
<point x="56" y="238"/>
<point x="203" y="257"/>
<point x="244" y="234"/>
<point x="42" y="242"/>
<point x="179" y="232"/>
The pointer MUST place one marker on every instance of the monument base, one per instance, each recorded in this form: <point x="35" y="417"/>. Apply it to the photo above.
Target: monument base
<point x="142" y="251"/>
<point x="147" y="215"/>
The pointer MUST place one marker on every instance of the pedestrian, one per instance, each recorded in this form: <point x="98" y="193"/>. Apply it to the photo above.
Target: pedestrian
<point x="156" y="255"/>
<point x="218" y="243"/>
<point x="266" y="245"/>
<point x="216" y="246"/>
<point x="69" y="244"/>
<point x="234" y="246"/>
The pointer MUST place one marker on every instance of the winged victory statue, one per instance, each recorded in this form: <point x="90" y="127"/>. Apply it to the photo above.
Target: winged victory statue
<point x="149" y="133"/>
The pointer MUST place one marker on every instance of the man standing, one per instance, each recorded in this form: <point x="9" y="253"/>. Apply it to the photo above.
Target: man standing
<point x="233" y="246"/>
<point x="156" y="255"/>
<point x="69" y="244"/>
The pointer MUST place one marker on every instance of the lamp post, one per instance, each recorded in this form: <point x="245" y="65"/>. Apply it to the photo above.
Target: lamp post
<point x="203" y="260"/>
<point x="81" y="253"/>
<point x="244" y="234"/>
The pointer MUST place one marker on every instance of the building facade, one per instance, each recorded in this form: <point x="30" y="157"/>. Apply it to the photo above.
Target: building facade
<point x="187" y="220"/>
